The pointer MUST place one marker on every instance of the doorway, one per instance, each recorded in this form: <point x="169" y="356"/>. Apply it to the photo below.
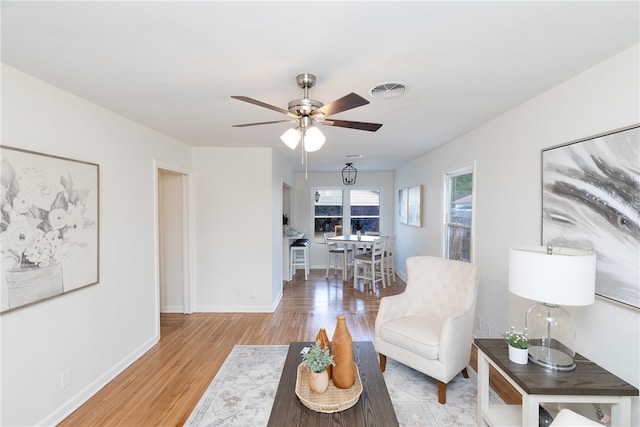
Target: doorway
<point x="173" y="243"/>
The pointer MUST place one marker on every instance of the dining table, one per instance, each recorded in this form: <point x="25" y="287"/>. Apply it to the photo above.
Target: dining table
<point x="355" y="241"/>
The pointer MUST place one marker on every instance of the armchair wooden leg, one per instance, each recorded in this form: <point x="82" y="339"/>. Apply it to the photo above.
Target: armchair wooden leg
<point x="465" y="373"/>
<point x="383" y="362"/>
<point x="442" y="393"/>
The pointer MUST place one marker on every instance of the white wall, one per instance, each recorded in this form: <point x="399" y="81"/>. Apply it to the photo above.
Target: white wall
<point x="83" y="331"/>
<point x="508" y="201"/>
<point x="302" y="216"/>
<point x="282" y="175"/>
<point x="238" y="214"/>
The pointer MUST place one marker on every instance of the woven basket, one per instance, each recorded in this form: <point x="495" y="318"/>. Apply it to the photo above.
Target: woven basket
<point x="333" y="400"/>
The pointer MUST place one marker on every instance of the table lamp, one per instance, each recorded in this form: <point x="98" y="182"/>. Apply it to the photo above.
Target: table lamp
<point x="554" y="276"/>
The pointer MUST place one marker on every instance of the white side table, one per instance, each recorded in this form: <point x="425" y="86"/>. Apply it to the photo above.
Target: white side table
<point x="588" y="383"/>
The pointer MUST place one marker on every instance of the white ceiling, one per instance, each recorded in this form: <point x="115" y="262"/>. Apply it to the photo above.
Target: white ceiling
<point x="173" y="66"/>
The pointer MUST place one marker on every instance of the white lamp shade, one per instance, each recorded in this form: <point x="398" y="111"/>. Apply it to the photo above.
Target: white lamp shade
<point x="291" y="138"/>
<point x="313" y="139"/>
<point x="566" y="277"/>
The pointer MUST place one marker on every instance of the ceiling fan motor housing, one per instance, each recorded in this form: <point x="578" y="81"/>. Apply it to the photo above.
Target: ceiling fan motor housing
<point x="304" y="106"/>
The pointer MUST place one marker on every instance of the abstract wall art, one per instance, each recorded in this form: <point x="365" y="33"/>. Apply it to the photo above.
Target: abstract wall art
<point x="591" y="200"/>
<point x="49" y="226"/>
<point x="414" y="206"/>
<point x="402" y="205"/>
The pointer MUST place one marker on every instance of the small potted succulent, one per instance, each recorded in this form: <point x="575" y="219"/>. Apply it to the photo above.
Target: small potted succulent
<point x="317" y="359"/>
<point x="518" y="345"/>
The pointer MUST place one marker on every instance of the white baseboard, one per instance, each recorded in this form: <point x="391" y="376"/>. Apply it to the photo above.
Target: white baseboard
<point x="234" y="309"/>
<point x="172" y="309"/>
<point x="89" y="391"/>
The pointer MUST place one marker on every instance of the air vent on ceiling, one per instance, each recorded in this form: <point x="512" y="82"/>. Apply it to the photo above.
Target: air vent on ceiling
<point x="388" y="90"/>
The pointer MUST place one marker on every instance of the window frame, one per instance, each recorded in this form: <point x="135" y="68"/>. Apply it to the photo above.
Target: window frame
<point x="448" y="175"/>
<point x="320" y="239"/>
<point x="379" y="216"/>
<point x="346" y="205"/>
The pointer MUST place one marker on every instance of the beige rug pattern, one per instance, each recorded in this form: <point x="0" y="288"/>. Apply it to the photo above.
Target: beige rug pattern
<point x="242" y="393"/>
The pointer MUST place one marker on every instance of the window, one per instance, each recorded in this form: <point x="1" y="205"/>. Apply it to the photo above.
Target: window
<point x="459" y="214"/>
<point x="365" y="210"/>
<point x="327" y="212"/>
<point x="335" y="207"/>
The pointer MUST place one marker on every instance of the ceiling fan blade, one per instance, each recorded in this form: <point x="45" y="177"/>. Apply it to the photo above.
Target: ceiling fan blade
<point x="262" y="123"/>
<point x="345" y="103"/>
<point x="371" y="127"/>
<point x="263" y="104"/>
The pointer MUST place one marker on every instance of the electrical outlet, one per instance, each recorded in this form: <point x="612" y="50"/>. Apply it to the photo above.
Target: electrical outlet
<point x="478" y="324"/>
<point x="487" y="329"/>
<point x="65" y="378"/>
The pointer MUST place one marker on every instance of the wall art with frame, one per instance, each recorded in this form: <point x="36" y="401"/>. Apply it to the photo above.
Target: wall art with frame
<point x="414" y="203"/>
<point x="402" y="205"/>
<point x="591" y="200"/>
<point x="49" y="226"/>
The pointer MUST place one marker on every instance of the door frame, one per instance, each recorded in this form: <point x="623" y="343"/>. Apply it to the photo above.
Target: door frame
<point x="187" y="235"/>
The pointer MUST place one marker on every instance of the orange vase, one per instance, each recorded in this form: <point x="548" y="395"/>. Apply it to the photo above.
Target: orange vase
<point x="323" y="338"/>
<point x="342" y="345"/>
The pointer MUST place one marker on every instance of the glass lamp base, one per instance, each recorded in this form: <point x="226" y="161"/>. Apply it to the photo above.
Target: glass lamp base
<point x="551" y="337"/>
<point x="551" y="358"/>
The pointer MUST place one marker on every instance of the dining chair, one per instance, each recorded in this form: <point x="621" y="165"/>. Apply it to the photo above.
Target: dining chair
<point x="369" y="265"/>
<point x="364" y="248"/>
<point x="389" y="260"/>
<point x="337" y="256"/>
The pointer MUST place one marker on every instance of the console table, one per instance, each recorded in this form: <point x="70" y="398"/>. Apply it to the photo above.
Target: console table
<point x="588" y="383"/>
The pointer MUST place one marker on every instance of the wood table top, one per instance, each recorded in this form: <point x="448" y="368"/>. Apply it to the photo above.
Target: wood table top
<point x="587" y="379"/>
<point x="374" y="408"/>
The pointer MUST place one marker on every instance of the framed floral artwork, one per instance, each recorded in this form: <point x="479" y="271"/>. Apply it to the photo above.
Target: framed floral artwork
<point x="49" y="226"/>
<point x="591" y="200"/>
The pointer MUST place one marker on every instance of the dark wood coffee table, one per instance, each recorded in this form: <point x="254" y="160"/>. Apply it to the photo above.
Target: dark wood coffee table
<point x="374" y="407"/>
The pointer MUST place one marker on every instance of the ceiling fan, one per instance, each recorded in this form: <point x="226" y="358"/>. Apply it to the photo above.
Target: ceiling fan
<point x="307" y="113"/>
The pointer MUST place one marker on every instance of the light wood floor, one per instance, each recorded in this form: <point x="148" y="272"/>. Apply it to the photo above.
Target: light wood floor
<point x="163" y="387"/>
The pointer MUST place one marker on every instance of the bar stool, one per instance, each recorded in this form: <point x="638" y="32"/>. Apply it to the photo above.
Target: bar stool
<point x="299" y="256"/>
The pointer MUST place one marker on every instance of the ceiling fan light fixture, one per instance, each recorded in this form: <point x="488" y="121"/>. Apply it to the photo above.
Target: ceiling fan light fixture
<point x="291" y="138"/>
<point x="313" y="139"/>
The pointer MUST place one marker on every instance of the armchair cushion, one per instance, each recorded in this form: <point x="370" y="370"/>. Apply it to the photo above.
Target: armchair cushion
<point x="418" y="334"/>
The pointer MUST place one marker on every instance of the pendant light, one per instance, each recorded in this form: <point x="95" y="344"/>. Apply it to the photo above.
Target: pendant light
<point x="349" y="174"/>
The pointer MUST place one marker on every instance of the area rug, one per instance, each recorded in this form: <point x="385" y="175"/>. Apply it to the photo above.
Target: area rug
<point x="243" y="391"/>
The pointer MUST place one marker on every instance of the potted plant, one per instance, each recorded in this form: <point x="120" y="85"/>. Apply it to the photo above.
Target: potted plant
<point x="518" y="345"/>
<point x="317" y="359"/>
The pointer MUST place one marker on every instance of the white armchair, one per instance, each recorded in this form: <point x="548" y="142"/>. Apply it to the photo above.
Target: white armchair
<point x="429" y="327"/>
